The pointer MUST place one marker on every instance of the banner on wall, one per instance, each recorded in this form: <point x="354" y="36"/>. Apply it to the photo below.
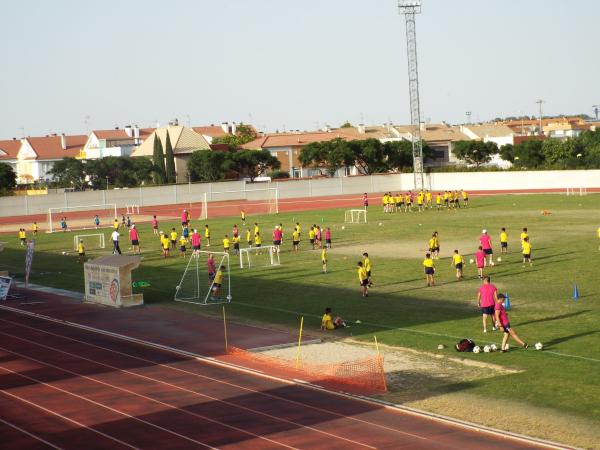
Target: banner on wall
<point x="5" y="283"/>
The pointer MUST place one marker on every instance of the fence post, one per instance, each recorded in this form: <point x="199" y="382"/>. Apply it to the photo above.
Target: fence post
<point x="141" y="200"/>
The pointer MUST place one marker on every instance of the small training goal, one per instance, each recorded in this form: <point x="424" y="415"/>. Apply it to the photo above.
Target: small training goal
<point x="199" y="283"/>
<point x="93" y="241"/>
<point x="577" y="191"/>
<point x="355" y="216"/>
<point x="81" y="217"/>
<point x="133" y="209"/>
<point x="259" y="257"/>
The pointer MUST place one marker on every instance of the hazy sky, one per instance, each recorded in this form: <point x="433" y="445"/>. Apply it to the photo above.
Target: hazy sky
<point x="288" y="64"/>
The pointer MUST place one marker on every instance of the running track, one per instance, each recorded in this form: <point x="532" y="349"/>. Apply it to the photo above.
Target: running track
<point x="64" y="387"/>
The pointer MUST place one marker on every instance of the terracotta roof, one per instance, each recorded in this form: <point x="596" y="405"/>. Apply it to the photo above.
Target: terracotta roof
<point x="145" y="132"/>
<point x="489" y="130"/>
<point x="111" y="135"/>
<point x="9" y="149"/>
<point x="436" y="132"/>
<point x="299" y="139"/>
<point x="211" y="130"/>
<point x="370" y="132"/>
<point x="50" y="147"/>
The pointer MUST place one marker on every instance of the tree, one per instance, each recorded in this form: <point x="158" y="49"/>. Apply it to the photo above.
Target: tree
<point x="122" y="171"/>
<point x="69" y="172"/>
<point x="475" y="152"/>
<point x="8" y="179"/>
<point x="158" y="159"/>
<point x="327" y="157"/>
<point x="368" y="156"/>
<point x="243" y="134"/>
<point x="253" y="163"/>
<point x="171" y="176"/>
<point x="529" y="154"/>
<point x="346" y="124"/>
<point x="206" y="165"/>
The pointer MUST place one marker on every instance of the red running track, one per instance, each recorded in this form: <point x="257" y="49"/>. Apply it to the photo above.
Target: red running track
<point x="63" y="387"/>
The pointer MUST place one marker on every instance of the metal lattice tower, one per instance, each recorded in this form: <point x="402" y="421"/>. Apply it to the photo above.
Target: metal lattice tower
<point x="409" y="9"/>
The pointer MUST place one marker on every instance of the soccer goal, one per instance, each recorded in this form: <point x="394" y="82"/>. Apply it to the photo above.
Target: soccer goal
<point x="198" y="287"/>
<point x="93" y="241"/>
<point x="81" y="217"/>
<point x="355" y="216"/>
<point x="230" y="203"/>
<point x="259" y="257"/>
<point x="577" y="191"/>
<point x="133" y="209"/>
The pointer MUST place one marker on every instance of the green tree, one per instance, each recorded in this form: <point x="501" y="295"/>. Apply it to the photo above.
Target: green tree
<point x="327" y="157"/>
<point x="158" y="159"/>
<point x="121" y="171"/>
<point x="253" y="163"/>
<point x="206" y="165"/>
<point x="475" y="152"/>
<point x="346" y="124"/>
<point x="69" y="172"/>
<point x="8" y="179"/>
<point x="143" y="168"/>
<point x="529" y="154"/>
<point x="243" y="134"/>
<point x="171" y="175"/>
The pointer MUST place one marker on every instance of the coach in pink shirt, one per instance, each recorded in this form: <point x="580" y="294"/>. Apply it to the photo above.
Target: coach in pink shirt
<point x="195" y="242"/>
<point x="135" y="239"/>
<point x="487" y="295"/>
<point x="486" y="244"/>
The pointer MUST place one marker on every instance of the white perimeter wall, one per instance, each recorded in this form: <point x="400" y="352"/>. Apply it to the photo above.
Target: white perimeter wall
<point x="320" y="187"/>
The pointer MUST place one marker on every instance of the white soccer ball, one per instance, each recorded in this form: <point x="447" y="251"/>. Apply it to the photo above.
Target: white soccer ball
<point x="343" y="227"/>
<point x="492" y="264"/>
<point x="499" y="259"/>
<point x="494" y="347"/>
<point x="487" y="349"/>
<point x="64" y="253"/>
<point x="177" y="287"/>
<point x="229" y="297"/>
<point x="441" y="346"/>
<point x="380" y="224"/>
<point x="539" y="346"/>
<point x="471" y="261"/>
<point x="476" y="349"/>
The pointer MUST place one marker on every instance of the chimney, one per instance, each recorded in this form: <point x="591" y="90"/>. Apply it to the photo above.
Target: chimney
<point x="63" y="141"/>
<point x="233" y="128"/>
<point x="225" y="127"/>
<point x="423" y="126"/>
<point x="129" y="130"/>
<point x="327" y="128"/>
<point x="361" y="128"/>
<point x="136" y="134"/>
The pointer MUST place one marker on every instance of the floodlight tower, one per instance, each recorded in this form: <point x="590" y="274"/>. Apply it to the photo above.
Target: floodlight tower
<point x="410" y="9"/>
<point x="540" y="102"/>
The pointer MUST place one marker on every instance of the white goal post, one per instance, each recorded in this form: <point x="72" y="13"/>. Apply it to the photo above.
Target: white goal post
<point x="91" y="241"/>
<point x="133" y="209"/>
<point x="255" y="256"/>
<point x="252" y="201"/>
<point x="192" y="287"/>
<point x="55" y="215"/>
<point x="577" y="191"/>
<point x="355" y="216"/>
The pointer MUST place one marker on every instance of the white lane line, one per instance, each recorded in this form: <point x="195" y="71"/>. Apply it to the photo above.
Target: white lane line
<point x="28" y="433"/>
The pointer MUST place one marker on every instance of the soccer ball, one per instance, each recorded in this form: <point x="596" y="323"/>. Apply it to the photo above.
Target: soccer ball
<point x="343" y="227"/>
<point x="476" y="349"/>
<point x="229" y="297"/>
<point x="487" y="349"/>
<point x="441" y="347"/>
<point x="492" y="264"/>
<point x="499" y="259"/>
<point x="64" y="253"/>
<point x="380" y="224"/>
<point x="177" y="287"/>
<point x="471" y="261"/>
<point x="539" y="346"/>
<point x="493" y="347"/>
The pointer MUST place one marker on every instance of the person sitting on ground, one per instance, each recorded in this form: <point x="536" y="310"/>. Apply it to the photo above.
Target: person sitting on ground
<point x="328" y="324"/>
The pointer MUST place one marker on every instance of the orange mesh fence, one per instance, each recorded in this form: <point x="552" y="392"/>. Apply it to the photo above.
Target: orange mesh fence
<point x="365" y="374"/>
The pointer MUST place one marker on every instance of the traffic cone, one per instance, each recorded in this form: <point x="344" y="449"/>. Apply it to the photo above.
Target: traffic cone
<point x="575" y="292"/>
<point x="506" y="301"/>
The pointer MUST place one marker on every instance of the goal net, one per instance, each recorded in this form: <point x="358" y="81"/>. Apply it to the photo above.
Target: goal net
<point x="231" y="203"/>
<point x="81" y="217"/>
<point x="577" y="191"/>
<point x="133" y="209"/>
<point x="355" y="216"/>
<point x="199" y="285"/>
<point x="259" y="257"/>
<point x="90" y="241"/>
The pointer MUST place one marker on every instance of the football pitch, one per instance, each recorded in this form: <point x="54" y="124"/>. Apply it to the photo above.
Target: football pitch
<point x="401" y="310"/>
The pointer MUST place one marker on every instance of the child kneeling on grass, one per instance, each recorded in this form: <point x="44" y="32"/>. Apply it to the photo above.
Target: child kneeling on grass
<point x="502" y="321"/>
<point x="328" y="324"/>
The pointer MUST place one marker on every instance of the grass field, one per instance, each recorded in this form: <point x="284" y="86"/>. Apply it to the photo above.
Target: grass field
<point x="401" y="311"/>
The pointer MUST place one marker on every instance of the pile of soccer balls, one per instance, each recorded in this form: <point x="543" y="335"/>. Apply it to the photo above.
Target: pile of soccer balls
<point x="493" y="348"/>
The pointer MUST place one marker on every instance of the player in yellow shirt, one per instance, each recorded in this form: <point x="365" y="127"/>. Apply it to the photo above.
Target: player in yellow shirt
<point x="257" y="240"/>
<point x="34" y="228"/>
<point x="429" y="267"/>
<point x="243" y="217"/>
<point x="327" y="321"/>
<point x="384" y="202"/>
<point x="434" y="245"/>
<point x="295" y="240"/>
<point x="226" y="244"/>
<point x="524" y="234"/>
<point x="458" y="262"/>
<point x="526" y="251"/>
<point x="81" y="251"/>
<point x="399" y="202"/>
<point x="368" y="266"/>
<point x="166" y="244"/>
<point x="298" y="228"/>
<point x="256" y="228"/>
<point x="438" y="201"/>
<point x="363" y="279"/>
<point x="311" y="237"/>
<point x="236" y="244"/>
<point x="116" y="224"/>
<point x="420" y="199"/>
<point x="391" y="203"/>
<point x="465" y="198"/>
<point x="218" y="282"/>
<point x="207" y="235"/>
<point x="408" y="202"/>
<point x="428" y="199"/>
<point x="249" y="237"/>
<point x="22" y="236"/>
<point x="174" y="237"/>
<point x="182" y="246"/>
<point x="324" y="259"/>
<point x="503" y="241"/>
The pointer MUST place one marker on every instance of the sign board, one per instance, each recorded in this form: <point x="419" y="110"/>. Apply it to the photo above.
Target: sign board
<point x="5" y="283"/>
<point x="108" y="281"/>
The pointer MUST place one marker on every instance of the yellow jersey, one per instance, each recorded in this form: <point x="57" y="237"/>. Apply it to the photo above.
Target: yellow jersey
<point x="206" y="232"/>
<point x="311" y="234"/>
<point x="256" y="230"/>
<point x="80" y="248"/>
<point x="327" y="322"/>
<point x="235" y="239"/>
<point x="182" y="241"/>
<point x="243" y="215"/>
<point x="432" y="243"/>
<point x="225" y="243"/>
<point x="173" y="235"/>
<point x="324" y="255"/>
<point x="35" y="227"/>
<point x="523" y="236"/>
<point x="503" y="237"/>
<point x="428" y="196"/>
<point x="384" y="200"/>
<point x="457" y="259"/>
<point x="248" y="236"/>
<point x="464" y="194"/>
<point x="295" y="235"/>
<point x="165" y="242"/>
<point x="408" y="198"/>
<point x="298" y="229"/>
<point x="367" y="264"/>
<point x="598" y="232"/>
<point x="398" y="199"/>
<point x="257" y="239"/>
<point x="116" y="224"/>
<point x="526" y="248"/>
<point x="438" y="199"/>
<point x="22" y="235"/>
<point x="362" y="274"/>
<point x="219" y="277"/>
<point x="428" y="262"/>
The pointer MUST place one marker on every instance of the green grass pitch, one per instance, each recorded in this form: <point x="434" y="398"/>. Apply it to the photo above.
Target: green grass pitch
<point x="400" y="309"/>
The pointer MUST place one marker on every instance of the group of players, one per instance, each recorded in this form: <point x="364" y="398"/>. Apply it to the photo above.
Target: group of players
<point x="423" y="200"/>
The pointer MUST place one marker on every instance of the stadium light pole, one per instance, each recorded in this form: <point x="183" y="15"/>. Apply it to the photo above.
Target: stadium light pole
<point x="468" y="113"/>
<point x="540" y="102"/>
<point x="409" y="9"/>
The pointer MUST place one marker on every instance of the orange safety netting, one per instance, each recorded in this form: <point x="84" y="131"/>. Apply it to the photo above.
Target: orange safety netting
<point x="366" y="374"/>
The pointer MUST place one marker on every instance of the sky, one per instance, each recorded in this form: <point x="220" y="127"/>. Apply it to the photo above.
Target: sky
<point x="72" y="66"/>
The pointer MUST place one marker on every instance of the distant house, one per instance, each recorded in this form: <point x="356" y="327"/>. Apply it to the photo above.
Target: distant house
<point x="184" y="141"/>
<point x="9" y="150"/>
<point x="500" y="134"/>
<point x="117" y="142"/>
<point x="440" y="137"/>
<point x="37" y="155"/>
<point x="557" y="127"/>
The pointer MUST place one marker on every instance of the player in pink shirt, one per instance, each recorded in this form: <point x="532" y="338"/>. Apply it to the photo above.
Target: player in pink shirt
<point x="328" y="237"/>
<point x="212" y="269"/>
<point x="155" y="225"/>
<point x="486" y="243"/>
<point x="502" y="321"/>
<point x="486" y="299"/>
<point x="135" y="239"/>
<point x="277" y="234"/>
<point x="480" y="261"/>
<point x="235" y="231"/>
<point x="184" y="217"/>
<point x="365" y="200"/>
<point x="196" y="242"/>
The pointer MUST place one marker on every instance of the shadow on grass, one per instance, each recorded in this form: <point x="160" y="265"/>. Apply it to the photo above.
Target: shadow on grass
<point x="569" y="337"/>
<point x="550" y="319"/>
